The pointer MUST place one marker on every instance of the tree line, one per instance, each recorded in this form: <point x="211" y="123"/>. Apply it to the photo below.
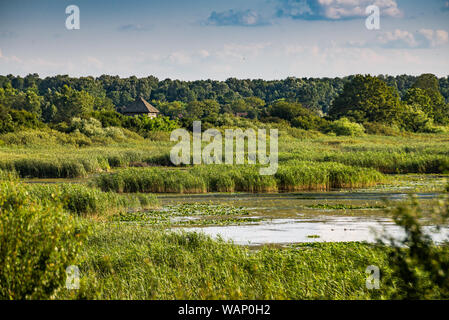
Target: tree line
<point x="412" y="103"/>
<point x="314" y="93"/>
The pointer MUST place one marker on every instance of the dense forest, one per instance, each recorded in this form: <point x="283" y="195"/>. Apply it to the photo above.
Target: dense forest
<point x="313" y="93"/>
<point x="409" y="103"/>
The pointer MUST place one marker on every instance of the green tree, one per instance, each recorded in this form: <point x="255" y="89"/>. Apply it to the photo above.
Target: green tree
<point x="71" y="103"/>
<point x="367" y="99"/>
<point x="429" y="83"/>
<point x="286" y="110"/>
<point x="420" y="99"/>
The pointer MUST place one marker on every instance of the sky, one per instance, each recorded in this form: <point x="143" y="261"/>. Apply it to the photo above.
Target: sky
<point x="209" y="39"/>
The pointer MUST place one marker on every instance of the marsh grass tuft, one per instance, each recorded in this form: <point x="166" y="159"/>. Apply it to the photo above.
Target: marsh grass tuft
<point x="294" y="175"/>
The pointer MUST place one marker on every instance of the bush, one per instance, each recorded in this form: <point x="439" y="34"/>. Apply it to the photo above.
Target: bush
<point x="38" y="241"/>
<point x="420" y="269"/>
<point x="14" y="120"/>
<point x="381" y="129"/>
<point x="344" y="127"/>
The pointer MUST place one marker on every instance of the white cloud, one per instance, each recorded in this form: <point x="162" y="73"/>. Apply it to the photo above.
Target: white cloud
<point x="424" y="38"/>
<point x="397" y="39"/>
<point x="242" y="51"/>
<point x="334" y="9"/>
<point x="94" y="62"/>
<point x="204" y="53"/>
<point x="246" y="18"/>
<point x="180" y="58"/>
<point x="433" y="38"/>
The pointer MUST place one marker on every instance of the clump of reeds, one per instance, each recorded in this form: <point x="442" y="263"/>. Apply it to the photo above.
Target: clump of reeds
<point x="294" y="175"/>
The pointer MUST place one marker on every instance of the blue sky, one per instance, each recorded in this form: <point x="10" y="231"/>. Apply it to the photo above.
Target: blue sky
<point x="201" y="39"/>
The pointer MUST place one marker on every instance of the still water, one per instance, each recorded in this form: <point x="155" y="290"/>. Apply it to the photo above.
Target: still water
<point x="338" y="216"/>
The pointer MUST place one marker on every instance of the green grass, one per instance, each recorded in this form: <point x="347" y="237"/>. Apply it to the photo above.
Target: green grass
<point x="134" y="262"/>
<point x="294" y="175"/>
<point x="44" y="158"/>
<point x="73" y="162"/>
<point x="125" y="259"/>
<point x="83" y="200"/>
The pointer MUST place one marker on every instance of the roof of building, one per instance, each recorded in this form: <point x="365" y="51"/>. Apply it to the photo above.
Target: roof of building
<point x="140" y="106"/>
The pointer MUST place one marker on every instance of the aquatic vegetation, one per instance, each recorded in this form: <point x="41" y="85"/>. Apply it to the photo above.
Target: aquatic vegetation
<point x="123" y="261"/>
<point x="300" y="175"/>
<point x="225" y="178"/>
<point x="188" y="214"/>
<point x="208" y="209"/>
<point x="46" y="158"/>
<point x="83" y="200"/>
<point x="342" y="206"/>
<point x="8" y="175"/>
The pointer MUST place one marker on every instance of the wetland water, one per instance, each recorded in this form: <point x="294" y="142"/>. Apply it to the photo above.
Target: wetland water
<point x="336" y="216"/>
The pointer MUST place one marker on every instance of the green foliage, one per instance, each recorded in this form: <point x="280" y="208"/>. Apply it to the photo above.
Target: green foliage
<point x="71" y="103"/>
<point x="8" y="175"/>
<point x="144" y="124"/>
<point x="109" y="118"/>
<point x="438" y="109"/>
<point x="137" y="262"/>
<point x="381" y="129"/>
<point x="15" y="120"/>
<point x="415" y="119"/>
<point x="15" y="99"/>
<point x="419" y="267"/>
<point x="287" y="111"/>
<point x="82" y="200"/>
<point x="420" y="99"/>
<point x="293" y="175"/>
<point x="360" y="98"/>
<point x="344" y="127"/>
<point x="367" y="99"/>
<point x="37" y="242"/>
<point x="300" y="175"/>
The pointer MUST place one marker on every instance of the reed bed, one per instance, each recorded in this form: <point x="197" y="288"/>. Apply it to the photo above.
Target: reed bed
<point x="391" y="155"/>
<point x="394" y="163"/>
<point x="136" y="262"/>
<point x="65" y="162"/>
<point x="83" y="200"/>
<point x="294" y="175"/>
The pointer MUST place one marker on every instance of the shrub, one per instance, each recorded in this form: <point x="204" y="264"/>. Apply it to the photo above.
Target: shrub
<point x="420" y="269"/>
<point x="13" y="120"/>
<point x="38" y="240"/>
<point x="344" y="127"/>
<point x="381" y="129"/>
